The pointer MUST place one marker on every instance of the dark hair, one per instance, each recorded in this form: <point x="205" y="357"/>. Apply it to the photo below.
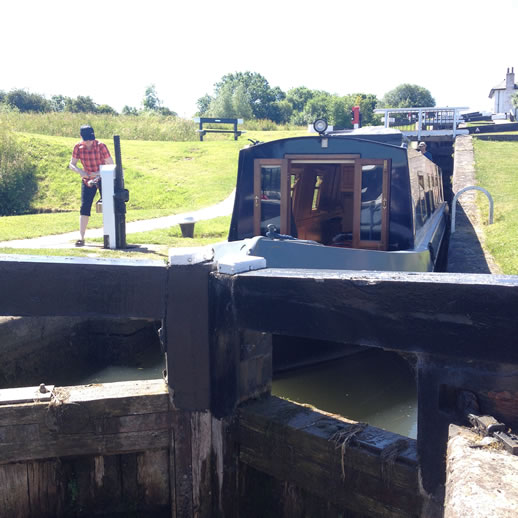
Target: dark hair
<point x="87" y="133"/>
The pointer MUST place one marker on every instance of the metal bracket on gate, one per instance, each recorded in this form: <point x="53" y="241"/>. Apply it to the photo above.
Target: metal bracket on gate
<point x="509" y="441"/>
<point x="487" y="425"/>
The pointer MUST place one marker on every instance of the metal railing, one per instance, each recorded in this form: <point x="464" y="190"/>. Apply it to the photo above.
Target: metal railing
<point x="457" y="196"/>
<point x="425" y="121"/>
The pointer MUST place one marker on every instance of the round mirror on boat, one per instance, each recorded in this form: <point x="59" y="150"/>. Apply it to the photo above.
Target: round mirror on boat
<point x="320" y="126"/>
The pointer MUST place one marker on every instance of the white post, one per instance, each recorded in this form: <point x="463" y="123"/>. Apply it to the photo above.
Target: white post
<point x="419" y="124"/>
<point x="455" y="116"/>
<point x="108" y="187"/>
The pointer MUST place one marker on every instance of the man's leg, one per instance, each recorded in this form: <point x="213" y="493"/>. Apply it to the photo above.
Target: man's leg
<point x="83" y="223"/>
<point x="87" y="196"/>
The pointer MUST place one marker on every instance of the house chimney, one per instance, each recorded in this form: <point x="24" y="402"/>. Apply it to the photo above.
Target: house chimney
<point x="509" y="80"/>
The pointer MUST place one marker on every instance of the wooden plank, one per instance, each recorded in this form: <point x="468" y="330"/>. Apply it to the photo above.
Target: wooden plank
<point x="183" y="490"/>
<point x="129" y="478"/>
<point x="225" y="354"/>
<point x="454" y="315"/>
<point x="14" y="493"/>
<point x="201" y="449"/>
<point x="25" y="395"/>
<point x="115" y="484"/>
<point x="225" y="467"/>
<point x="33" y="286"/>
<point x="133" y="417"/>
<point x="46" y="492"/>
<point x="85" y="444"/>
<point x="153" y="478"/>
<point x="303" y="447"/>
<point x="116" y="399"/>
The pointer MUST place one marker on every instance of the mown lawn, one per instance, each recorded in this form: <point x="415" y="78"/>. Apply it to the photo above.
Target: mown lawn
<point x="152" y="245"/>
<point x="496" y="165"/>
<point x="163" y="178"/>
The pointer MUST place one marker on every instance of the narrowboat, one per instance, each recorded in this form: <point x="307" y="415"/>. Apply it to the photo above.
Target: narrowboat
<point x="355" y="200"/>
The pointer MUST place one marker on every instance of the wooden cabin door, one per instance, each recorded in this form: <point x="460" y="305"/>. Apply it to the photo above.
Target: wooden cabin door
<point x="371" y="204"/>
<point x="271" y="195"/>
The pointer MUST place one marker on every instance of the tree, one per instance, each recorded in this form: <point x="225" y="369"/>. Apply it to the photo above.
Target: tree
<point x="81" y="104"/>
<point x="58" y="103"/>
<point x="318" y="107"/>
<point x="107" y="109"/>
<point x="340" y="112"/>
<point x="241" y="103"/>
<point x="515" y="100"/>
<point x="151" y="101"/>
<point x="203" y="104"/>
<point x="129" y="110"/>
<point x="299" y="97"/>
<point x="166" y="112"/>
<point x="261" y="96"/>
<point x="285" y="110"/>
<point x="221" y="105"/>
<point x="408" y="96"/>
<point x="26" y="101"/>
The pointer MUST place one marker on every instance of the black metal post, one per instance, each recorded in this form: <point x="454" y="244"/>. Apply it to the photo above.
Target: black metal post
<point x="120" y="199"/>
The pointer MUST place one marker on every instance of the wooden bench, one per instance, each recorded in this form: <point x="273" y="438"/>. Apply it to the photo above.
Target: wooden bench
<point x="210" y="120"/>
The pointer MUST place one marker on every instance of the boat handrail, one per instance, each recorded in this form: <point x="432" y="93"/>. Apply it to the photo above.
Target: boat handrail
<point x="456" y="197"/>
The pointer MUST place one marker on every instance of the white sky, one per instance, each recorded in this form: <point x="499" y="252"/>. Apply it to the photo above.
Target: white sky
<point x="111" y="50"/>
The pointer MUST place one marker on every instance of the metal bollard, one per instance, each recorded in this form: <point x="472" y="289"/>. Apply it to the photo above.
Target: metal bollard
<point x="187" y="227"/>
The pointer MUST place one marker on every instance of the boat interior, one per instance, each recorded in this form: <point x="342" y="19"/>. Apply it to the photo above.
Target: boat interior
<point x="337" y="201"/>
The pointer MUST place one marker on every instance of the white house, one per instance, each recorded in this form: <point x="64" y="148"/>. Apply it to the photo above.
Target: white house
<point x="503" y="92"/>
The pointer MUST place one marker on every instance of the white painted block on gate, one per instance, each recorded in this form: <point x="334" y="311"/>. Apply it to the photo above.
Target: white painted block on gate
<point x="190" y="255"/>
<point x="237" y="263"/>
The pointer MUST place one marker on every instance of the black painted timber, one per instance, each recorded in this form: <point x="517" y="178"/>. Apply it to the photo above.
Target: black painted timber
<point x="470" y="317"/>
<point x="493" y="128"/>
<point x="66" y="286"/>
<point x="188" y="339"/>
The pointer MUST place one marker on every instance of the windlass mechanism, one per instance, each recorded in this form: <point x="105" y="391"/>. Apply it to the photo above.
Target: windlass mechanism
<point x="115" y="197"/>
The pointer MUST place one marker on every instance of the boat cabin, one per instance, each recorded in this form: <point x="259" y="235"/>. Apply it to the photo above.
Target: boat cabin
<point x="364" y="189"/>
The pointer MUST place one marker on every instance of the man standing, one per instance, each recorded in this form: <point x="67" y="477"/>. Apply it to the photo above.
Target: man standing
<point x="92" y="154"/>
<point x="422" y="147"/>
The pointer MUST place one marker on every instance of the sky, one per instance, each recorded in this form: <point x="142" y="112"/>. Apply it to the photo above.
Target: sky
<point x="111" y="50"/>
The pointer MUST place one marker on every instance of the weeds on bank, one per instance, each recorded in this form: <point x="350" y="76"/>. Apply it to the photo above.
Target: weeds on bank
<point x="146" y="126"/>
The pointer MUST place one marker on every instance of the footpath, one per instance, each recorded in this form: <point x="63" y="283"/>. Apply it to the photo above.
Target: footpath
<point x="68" y="240"/>
<point x="466" y="253"/>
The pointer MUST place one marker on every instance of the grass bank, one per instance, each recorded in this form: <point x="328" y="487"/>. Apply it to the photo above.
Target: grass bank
<point x="163" y="178"/>
<point x="496" y="165"/>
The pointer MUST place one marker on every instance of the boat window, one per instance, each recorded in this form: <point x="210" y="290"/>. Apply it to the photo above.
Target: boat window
<point x="270" y="196"/>
<point x="371" y="202"/>
<point x="430" y="195"/>
<point x="422" y="210"/>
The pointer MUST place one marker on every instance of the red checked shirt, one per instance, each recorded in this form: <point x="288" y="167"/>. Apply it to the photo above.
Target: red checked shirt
<point x="92" y="158"/>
